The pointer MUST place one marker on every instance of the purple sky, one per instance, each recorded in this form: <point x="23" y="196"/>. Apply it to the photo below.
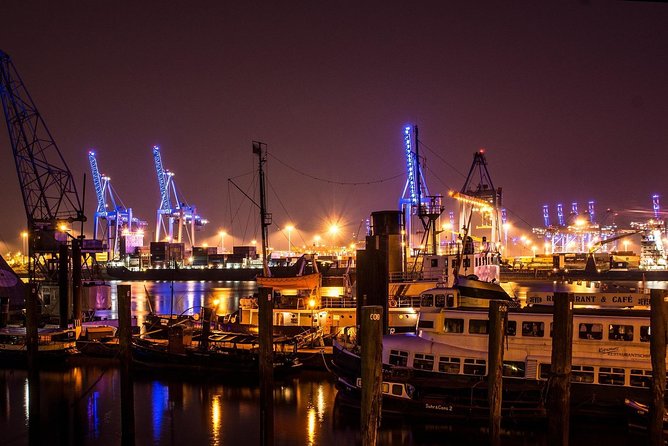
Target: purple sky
<point x="570" y="100"/>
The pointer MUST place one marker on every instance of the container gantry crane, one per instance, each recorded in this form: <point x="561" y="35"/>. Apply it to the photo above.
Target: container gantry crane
<point x="49" y="196"/>
<point x="113" y="220"/>
<point x="173" y="209"/>
<point x="415" y="201"/>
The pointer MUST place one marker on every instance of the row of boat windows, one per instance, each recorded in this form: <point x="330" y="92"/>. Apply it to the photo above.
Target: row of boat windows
<point x="616" y="376"/>
<point x="536" y="329"/>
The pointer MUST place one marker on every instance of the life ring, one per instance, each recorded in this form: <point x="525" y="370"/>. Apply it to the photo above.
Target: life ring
<point x="233" y="319"/>
<point x="393" y="303"/>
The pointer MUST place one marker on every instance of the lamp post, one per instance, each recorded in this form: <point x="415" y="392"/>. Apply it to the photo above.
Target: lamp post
<point x="626" y="245"/>
<point x="24" y="246"/>
<point x="222" y="235"/>
<point x="333" y="231"/>
<point x="289" y="229"/>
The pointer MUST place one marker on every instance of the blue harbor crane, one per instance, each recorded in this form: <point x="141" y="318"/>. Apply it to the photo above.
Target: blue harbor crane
<point x="49" y="195"/>
<point x="173" y="209"/>
<point x="416" y="202"/>
<point x="114" y="221"/>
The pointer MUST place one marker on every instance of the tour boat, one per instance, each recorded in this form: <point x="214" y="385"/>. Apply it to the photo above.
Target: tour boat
<point x="446" y="360"/>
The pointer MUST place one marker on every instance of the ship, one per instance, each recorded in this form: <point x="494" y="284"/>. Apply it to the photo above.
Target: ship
<point x="442" y="370"/>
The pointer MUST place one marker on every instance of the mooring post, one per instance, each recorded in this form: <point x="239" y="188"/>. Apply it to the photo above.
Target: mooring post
<point x="371" y="334"/>
<point x="266" y="334"/>
<point x="498" y="312"/>
<point x="33" y="315"/>
<point x="657" y="345"/>
<point x="76" y="281"/>
<point x="124" y="301"/>
<point x="63" y="285"/>
<point x="559" y="382"/>
<point x="206" y="328"/>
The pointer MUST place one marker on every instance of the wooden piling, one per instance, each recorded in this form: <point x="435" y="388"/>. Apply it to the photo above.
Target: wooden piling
<point x="206" y="328"/>
<point x="657" y="345"/>
<point x="124" y="305"/>
<point x="371" y="334"/>
<point x="266" y="334"/>
<point x="32" y="323"/>
<point x="63" y="285"/>
<point x="124" y="301"/>
<point x="559" y="382"/>
<point x="76" y="281"/>
<point x="498" y="312"/>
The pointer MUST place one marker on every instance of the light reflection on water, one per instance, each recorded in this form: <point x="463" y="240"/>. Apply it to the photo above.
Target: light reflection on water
<point x="181" y="297"/>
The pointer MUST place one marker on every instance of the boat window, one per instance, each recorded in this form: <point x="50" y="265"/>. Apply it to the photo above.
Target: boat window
<point x="514" y="368"/>
<point x="545" y="370"/>
<point x="398" y="357"/>
<point x="427" y="300"/>
<point x="475" y="367"/>
<point x="611" y="375"/>
<point x="640" y="378"/>
<point x="434" y="263"/>
<point x="386" y="388"/>
<point x="450" y="300"/>
<point x="617" y="332"/>
<point x="466" y="263"/>
<point x="453" y="325"/>
<point x="423" y="361"/>
<point x="590" y="331"/>
<point x="440" y="300"/>
<point x="425" y="324"/>
<point x="445" y="263"/>
<point x="397" y="389"/>
<point x="582" y="374"/>
<point x="511" y="328"/>
<point x="644" y="333"/>
<point x="448" y="364"/>
<point x="533" y="329"/>
<point x="478" y="326"/>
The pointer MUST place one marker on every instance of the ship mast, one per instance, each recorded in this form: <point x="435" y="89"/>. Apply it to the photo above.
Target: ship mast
<point x="260" y="149"/>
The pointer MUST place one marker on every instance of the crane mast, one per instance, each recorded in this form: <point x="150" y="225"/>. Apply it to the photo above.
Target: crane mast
<point x="50" y="200"/>
<point x="112" y="219"/>
<point x="176" y="211"/>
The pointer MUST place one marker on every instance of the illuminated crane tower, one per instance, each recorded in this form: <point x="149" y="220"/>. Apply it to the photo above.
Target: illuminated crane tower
<point x="416" y="203"/>
<point x="113" y="221"/>
<point x="479" y="194"/>
<point x="178" y="211"/>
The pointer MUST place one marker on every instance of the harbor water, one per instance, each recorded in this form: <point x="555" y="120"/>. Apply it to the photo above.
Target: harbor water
<point x="81" y="405"/>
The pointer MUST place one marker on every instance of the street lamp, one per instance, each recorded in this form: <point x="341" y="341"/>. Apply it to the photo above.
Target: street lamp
<point x="626" y="245"/>
<point x="222" y="235"/>
<point x="333" y="231"/>
<point x="24" y="245"/>
<point x="289" y="229"/>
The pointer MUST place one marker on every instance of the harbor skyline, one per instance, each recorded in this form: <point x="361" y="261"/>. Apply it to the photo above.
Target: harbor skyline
<point x="569" y="101"/>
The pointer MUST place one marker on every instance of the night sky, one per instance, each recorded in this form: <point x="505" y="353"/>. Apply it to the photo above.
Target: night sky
<point x="569" y="99"/>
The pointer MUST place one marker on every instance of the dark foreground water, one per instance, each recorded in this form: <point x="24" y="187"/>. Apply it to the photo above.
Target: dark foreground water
<point x="82" y="406"/>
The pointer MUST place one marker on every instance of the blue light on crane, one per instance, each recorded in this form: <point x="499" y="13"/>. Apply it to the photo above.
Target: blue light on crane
<point x="560" y="214"/>
<point x="546" y="216"/>
<point x="591" y="211"/>
<point x="410" y="165"/>
<point x="655" y="205"/>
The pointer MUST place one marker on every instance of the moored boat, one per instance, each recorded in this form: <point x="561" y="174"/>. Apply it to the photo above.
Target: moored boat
<point x="611" y="359"/>
<point x="54" y="345"/>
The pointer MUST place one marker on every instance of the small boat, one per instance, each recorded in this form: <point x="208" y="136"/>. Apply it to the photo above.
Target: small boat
<point x="226" y="353"/>
<point x="54" y="345"/>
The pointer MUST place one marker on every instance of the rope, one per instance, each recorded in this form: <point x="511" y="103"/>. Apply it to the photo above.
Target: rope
<point x="341" y="183"/>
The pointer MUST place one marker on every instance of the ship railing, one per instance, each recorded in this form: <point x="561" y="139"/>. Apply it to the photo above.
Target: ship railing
<point x="405" y="302"/>
<point x="405" y="276"/>
<point x="339" y="302"/>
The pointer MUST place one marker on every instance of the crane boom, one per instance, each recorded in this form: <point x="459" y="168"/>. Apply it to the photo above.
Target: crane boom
<point x="97" y="183"/>
<point x="47" y="185"/>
